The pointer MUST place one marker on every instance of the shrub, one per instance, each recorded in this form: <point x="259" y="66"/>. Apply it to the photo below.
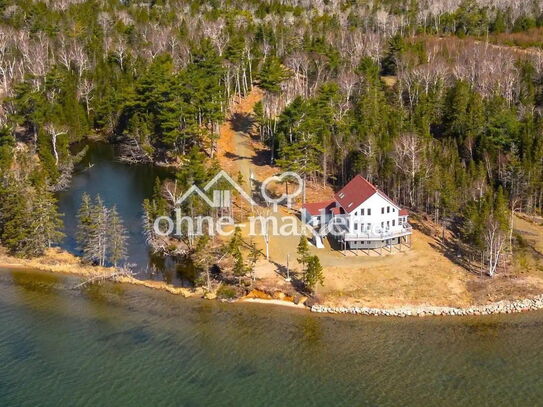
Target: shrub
<point x="227" y="292"/>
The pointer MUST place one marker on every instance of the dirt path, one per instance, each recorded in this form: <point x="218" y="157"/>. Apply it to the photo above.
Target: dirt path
<point x="240" y="153"/>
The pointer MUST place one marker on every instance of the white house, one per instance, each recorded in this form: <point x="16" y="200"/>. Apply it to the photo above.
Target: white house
<point x="360" y="217"/>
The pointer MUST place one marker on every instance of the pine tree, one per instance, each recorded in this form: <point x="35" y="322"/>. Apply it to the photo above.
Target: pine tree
<point x="313" y="275"/>
<point x="395" y="48"/>
<point x="235" y="243"/>
<point x="239" y="269"/>
<point x="303" y="251"/>
<point x="96" y="241"/>
<point x="84" y="223"/>
<point x="29" y="219"/>
<point x="272" y="74"/>
<point x="101" y="235"/>
<point x="14" y="212"/>
<point x="154" y="208"/>
<point x="45" y="221"/>
<point x="254" y="255"/>
<point x="117" y="238"/>
<point x="202" y="258"/>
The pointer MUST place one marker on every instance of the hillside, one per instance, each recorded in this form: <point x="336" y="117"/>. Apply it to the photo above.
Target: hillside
<point x="428" y="273"/>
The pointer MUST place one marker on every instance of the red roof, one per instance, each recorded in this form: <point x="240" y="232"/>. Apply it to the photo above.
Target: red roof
<point x="357" y="191"/>
<point x="314" y="208"/>
<point x="403" y="212"/>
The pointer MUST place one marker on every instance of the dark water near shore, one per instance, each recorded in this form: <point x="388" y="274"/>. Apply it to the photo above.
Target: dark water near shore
<point x="125" y="186"/>
<point x="121" y="346"/>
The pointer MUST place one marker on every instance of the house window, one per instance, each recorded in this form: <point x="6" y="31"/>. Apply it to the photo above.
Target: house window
<point x="362" y="211"/>
<point x="388" y="223"/>
<point x="393" y="222"/>
<point x="393" y="209"/>
<point x="356" y="226"/>
<point x="369" y="211"/>
<point x="382" y="210"/>
<point x="399" y="221"/>
<point x="388" y="209"/>
<point x="369" y="226"/>
<point x="382" y="224"/>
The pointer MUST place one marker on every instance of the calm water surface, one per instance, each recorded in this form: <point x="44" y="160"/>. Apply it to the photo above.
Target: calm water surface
<point x="125" y="186"/>
<point x="121" y="346"/>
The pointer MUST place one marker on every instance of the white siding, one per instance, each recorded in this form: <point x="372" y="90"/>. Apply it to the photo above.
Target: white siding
<point x="377" y="211"/>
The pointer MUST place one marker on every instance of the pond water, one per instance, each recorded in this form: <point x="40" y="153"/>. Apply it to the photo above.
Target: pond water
<point x="114" y="345"/>
<point x="125" y="186"/>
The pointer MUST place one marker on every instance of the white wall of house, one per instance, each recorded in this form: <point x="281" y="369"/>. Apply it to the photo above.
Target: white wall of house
<point x="375" y="213"/>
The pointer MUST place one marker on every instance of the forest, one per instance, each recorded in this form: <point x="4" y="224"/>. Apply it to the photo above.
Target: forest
<point x="434" y="101"/>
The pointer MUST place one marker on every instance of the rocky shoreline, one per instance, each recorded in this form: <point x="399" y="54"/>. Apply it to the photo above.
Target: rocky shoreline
<point x="63" y="262"/>
<point x="500" y="307"/>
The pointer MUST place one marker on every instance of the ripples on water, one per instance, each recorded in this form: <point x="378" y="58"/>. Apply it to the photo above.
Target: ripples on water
<point x="121" y="346"/>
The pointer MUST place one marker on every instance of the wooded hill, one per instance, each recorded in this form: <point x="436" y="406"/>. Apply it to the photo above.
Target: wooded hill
<point x="446" y="125"/>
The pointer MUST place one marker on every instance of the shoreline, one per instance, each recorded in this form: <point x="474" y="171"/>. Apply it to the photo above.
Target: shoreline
<point x="59" y="261"/>
<point x="271" y="302"/>
<point x="500" y="307"/>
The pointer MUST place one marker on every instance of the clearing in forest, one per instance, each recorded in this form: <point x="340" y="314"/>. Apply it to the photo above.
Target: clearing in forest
<point x="426" y="274"/>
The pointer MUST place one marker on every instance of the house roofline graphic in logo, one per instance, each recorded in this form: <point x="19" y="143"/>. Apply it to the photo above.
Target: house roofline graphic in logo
<point x="221" y="198"/>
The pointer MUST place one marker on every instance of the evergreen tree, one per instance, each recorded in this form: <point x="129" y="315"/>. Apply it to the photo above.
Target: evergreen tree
<point x="303" y="251"/>
<point x="101" y="235"/>
<point x="84" y="223"/>
<point x="202" y="258"/>
<point x="29" y="218"/>
<point x="272" y="74"/>
<point x="14" y="212"/>
<point x="313" y="275"/>
<point x="239" y="269"/>
<point x="395" y="47"/>
<point x="96" y="250"/>
<point x="45" y="220"/>
<point x="254" y="255"/>
<point x="235" y="243"/>
<point x="117" y="238"/>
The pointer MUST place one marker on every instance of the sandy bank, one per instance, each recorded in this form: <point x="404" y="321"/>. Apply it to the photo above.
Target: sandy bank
<point x="59" y="261"/>
<point x="54" y="260"/>
<point x="161" y="285"/>
<point x="272" y="302"/>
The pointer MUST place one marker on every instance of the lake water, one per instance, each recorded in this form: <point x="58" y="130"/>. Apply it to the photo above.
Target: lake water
<point x="116" y="345"/>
